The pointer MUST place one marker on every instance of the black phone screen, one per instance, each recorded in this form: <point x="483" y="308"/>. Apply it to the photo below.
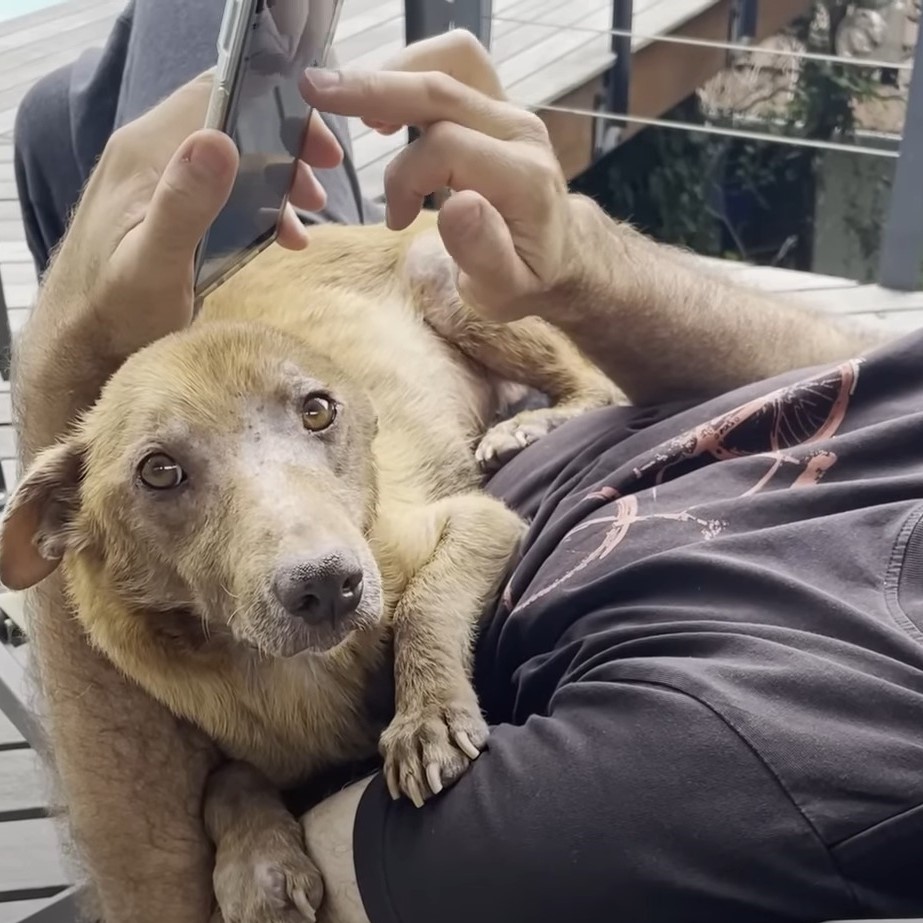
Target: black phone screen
<point x="267" y="117"/>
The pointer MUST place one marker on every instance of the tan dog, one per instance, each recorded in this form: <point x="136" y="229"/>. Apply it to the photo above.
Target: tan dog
<point x="268" y="519"/>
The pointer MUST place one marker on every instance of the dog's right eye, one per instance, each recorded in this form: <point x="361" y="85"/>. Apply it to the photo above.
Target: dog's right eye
<point x="160" y="472"/>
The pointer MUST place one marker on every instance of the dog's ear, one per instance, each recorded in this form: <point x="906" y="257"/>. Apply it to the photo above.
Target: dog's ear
<point x="35" y="529"/>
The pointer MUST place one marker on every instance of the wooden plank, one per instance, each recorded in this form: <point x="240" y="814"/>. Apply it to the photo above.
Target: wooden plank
<point x="17" y="317"/>
<point x="14" y="251"/>
<point x="76" y="36"/>
<point x="20" y="274"/>
<point x="42" y="29"/>
<point x="10" y="478"/>
<point x="9" y="736"/>
<point x="21" y="785"/>
<point x="7" y="442"/>
<point x="31" y="860"/>
<point x="15" y="911"/>
<point x="20" y="296"/>
<point x="47" y="14"/>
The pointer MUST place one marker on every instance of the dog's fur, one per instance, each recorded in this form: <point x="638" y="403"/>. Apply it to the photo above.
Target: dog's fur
<point x="175" y="586"/>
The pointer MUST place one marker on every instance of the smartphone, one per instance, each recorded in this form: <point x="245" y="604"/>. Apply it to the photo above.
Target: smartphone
<point x="263" y="46"/>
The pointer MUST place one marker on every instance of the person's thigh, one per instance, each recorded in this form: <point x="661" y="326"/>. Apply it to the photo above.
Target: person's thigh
<point x="627" y="801"/>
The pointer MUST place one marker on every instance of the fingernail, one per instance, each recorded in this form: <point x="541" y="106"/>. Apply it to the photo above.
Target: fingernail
<point x="203" y="154"/>
<point x="318" y="78"/>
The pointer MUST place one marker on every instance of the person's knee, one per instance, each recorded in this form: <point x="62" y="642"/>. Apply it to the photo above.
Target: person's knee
<point x="42" y="124"/>
<point x="48" y="180"/>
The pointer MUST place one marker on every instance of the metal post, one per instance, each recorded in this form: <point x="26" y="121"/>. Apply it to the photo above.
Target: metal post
<point x="5" y="336"/>
<point x="902" y="240"/>
<point x="618" y="80"/>
<point x="425" y="18"/>
<point x="744" y="21"/>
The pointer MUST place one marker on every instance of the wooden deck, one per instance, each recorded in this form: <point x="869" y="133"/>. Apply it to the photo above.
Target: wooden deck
<point x="544" y="52"/>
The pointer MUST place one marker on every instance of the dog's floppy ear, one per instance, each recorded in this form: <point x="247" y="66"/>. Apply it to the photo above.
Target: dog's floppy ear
<point x="34" y="531"/>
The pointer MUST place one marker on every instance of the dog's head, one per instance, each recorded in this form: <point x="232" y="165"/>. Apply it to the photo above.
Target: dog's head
<point x="226" y="473"/>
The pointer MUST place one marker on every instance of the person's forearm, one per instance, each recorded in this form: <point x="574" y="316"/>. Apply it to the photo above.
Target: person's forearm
<point x="130" y="776"/>
<point x="663" y="328"/>
<point x="60" y="362"/>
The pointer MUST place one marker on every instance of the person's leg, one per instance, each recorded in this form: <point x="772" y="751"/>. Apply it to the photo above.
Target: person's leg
<point x="48" y="176"/>
<point x="65" y="119"/>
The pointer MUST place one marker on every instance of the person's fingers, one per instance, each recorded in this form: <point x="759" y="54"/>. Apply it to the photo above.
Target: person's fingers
<point x="292" y="233"/>
<point x="383" y="128"/>
<point x="490" y="270"/>
<point x="320" y="148"/>
<point x="191" y="192"/>
<point x="452" y="156"/>
<point x="457" y="53"/>
<point x="418" y="99"/>
<point x="306" y="191"/>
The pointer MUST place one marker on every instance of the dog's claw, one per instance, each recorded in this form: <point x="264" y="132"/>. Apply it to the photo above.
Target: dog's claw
<point x="301" y="902"/>
<point x="267" y="876"/>
<point x="394" y="787"/>
<point x="466" y="746"/>
<point x="413" y="790"/>
<point x="434" y="778"/>
<point x="429" y="749"/>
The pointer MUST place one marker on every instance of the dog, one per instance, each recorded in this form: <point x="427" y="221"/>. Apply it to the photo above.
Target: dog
<point x="273" y="522"/>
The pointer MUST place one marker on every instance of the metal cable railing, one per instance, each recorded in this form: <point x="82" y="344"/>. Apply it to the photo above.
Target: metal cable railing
<point x="741" y="47"/>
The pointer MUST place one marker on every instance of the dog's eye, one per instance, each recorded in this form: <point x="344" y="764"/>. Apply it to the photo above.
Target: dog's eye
<point x="318" y="412"/>
<point x="160" y="472"/>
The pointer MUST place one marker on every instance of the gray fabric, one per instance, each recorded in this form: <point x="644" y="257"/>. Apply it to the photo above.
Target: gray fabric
<point x="66" y="118"/>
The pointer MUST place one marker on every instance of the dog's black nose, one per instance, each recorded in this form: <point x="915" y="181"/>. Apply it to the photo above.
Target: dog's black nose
<point x="323" y="590"/>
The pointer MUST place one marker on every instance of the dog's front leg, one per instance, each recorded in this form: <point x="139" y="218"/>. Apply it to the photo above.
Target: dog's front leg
<point x="438" y="727"/>
<point x="262" y="871"/>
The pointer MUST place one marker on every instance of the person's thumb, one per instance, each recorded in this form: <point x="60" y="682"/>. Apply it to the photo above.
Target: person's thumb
<point x="492" y="278"/>
<point x="189" y="195"/>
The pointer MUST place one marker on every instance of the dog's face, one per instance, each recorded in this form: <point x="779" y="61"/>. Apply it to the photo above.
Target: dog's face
<point x="226" y="473"/>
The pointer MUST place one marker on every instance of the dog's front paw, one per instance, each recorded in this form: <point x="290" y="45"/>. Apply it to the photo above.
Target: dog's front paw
<point x="501" y="443"/>
<point x="267" y="877"/>
<point x="427" y="749"/>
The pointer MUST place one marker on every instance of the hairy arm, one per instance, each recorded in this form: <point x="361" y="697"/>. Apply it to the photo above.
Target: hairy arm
<point x="664" y="327"/>
<point x="130" y="775"/>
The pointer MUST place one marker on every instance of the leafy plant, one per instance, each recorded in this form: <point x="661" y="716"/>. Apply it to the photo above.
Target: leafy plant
<point x="739" y="197"/>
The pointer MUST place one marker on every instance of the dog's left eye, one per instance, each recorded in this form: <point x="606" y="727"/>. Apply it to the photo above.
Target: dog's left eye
<point x="160" y="472"/>
<point x="318" y="412"/>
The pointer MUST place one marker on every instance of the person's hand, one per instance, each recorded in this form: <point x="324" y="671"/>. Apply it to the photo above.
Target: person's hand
<point x="160" y="182"/>
<point x="509" y="225"/>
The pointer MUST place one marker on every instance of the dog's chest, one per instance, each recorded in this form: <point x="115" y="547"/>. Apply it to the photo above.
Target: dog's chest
<point x="305" y="714"/>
